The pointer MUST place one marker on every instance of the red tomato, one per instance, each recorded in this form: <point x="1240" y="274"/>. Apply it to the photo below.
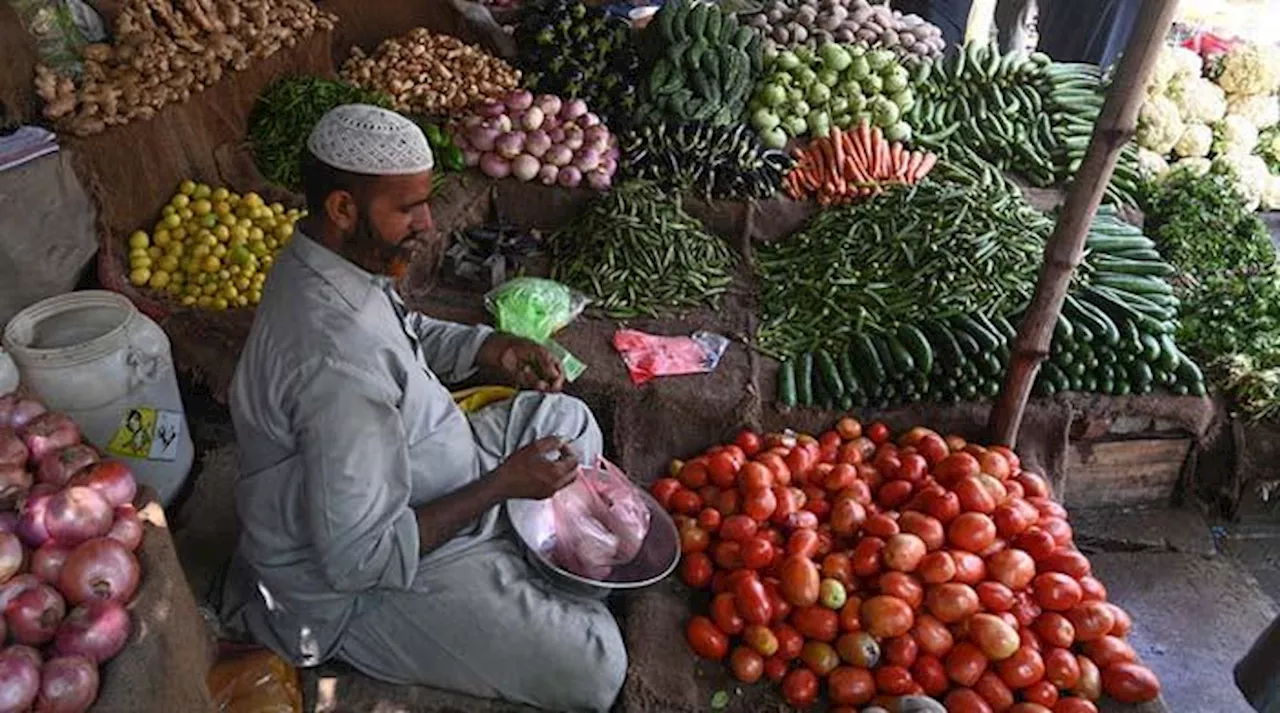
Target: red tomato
<point x="859" y="492"/>
<point x="994" y="596"/>
<point x="893" y="680"/>
<point x="847" y="516"/>
<point x="747" y="665"/>
<point x="663" y="489"/>
<point x="775" y="669"/>
<point x="839" y="567"/>
<point x="937" y="568"/>
<point x="803" y="542"/>
<point x="878" y="433"/>
<point x="1028" y="707"/>
<point x="1061" y="668"/>
<point x="1025" y="609"/>
<point x="1047" y="507"/>
<point x="933" y="637"/>
<point x="757" y="553"/>
<point x="781" y="608"/>
<point x="933" y="448"/>
<point x="820" y="657"/>
<point x="819" y="506"/>
<point x="752" y="601"/>
<point x="894" y="493"/>
<point x="800" y="579"/>
<point x="1090" y="684"/>
<point x="1094" y="591"/>
<point x="954" y="467"/>
<point x="801" y="520"/>
<point x="695" y="474"/>
<point x="901" y="651"/>
<point x="840" y="477"/>
<point x="851" y="686"/>
<point x="1055" y="629"/>
<point x="706" y="640"/>
<point x="885" y="616"/>
<point x="727" y="554"/>
<point x="881" y="525"/>
<point x="1036" y="542"/>
<point x="849" y="454"/>
<point x="686" y="502"/>
<point x="867" y="557"/>
<point x="1130" y="683"/>
<point x="728" y="502"/>
<point x="710" y="519"/>
<point x="816" y="623"/>
<point x="951" y="602"/>
<point x="738" y="528"/>
<point x="1059" y="529"/>
<point x="749" y="442"/>
<point x="931" y="674"/>
<point x="944" y="507"/>
<point x="736" y="453"/>
<point x="849" y="428"/>
<point x="1033" y="484"/>
<point x="965" y="700"/>
<point x="970" y="569"/>
<point x="778" y="466"/>
<point x="965" y="663"/>
<point x="1092" y="620"/>
<point x="1041" y="692"/>
<point x="1015" y="489"/>
<point x="1109" y="651"/>
<point x="974" y="497"/>
<point x="696" y="570"/>
<point x="800" y="687"/>
<point x="997" y="639"/>
<point x="798" y="462"/>
<point x="1013" y="568"/>
<point x="1015" y="463"/>
<point x="993" y="691"/>
<point x="1022" y="669"/>
<point x="995" y="464"/>
<point x="971" y="531"/>
<point x="693" y="538"/>
<point x="1123" y="624"/>
<point x="1055" y="591"/>
<point x="926" y="527"/>
<point x="903" y="552"/>
<point x="722" y="468"/>
<point x="903" y="586"/>
<point x="1014" y="518"/>
<point x="913" y="468"/>
<point x="724" y="614"/>
<point x="755" y="477"/>
<point x="859" y="648"/>
<point x="1074" y="705"/>
<point x="760" y="505"/>
<point x="850" y="616"/>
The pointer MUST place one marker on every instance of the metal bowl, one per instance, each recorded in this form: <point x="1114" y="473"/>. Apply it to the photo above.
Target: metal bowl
<point x="659" y="553"/>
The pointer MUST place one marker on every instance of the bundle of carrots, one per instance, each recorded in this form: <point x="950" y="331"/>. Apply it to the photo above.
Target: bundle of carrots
<point x="851" y="163"/>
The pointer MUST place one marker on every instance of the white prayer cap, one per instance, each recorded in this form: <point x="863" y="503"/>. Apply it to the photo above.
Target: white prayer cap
<point x="360" y="138"/>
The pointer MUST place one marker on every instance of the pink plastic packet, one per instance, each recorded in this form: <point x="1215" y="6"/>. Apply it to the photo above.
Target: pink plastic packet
<point x="649" y="355"/>
<point x="601" y="521"/>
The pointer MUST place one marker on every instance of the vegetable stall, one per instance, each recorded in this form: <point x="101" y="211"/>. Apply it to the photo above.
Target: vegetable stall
<point x="864" y="214"/>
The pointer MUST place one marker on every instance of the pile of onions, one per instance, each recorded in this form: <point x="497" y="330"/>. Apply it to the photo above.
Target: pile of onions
<point x="68" y="533"/>
<point x="555" y="142"/>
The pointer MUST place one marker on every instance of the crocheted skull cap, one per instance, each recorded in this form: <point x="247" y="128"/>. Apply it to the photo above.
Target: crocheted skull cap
<point x="369" y="140"/>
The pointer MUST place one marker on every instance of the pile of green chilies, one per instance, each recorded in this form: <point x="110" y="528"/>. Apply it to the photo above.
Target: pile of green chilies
<point x="636" y="253"/>
<point x="932" y="251"/>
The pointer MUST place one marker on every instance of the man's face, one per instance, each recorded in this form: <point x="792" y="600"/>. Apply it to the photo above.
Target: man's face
<point x="390" y="224"/>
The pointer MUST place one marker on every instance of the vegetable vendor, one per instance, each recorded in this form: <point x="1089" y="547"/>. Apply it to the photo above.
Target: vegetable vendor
<point x="372" y="530"/>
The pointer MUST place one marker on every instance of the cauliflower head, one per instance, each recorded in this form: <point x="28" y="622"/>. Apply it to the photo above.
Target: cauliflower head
<point x="1249" y="172"/>
<point x="1250" y="68"/>
<point x="1271" y="193"/>
<point x="1198" y="99"/>
<point x="1174" y="63"/>
<point x="1151" y="164"/>
<point x="1196" y="140"/>
<point x="1235" y="134"/>
<point x="1262" y="110"/>
<point x="1159" y="126"/>
<point x="1194" y="166"/>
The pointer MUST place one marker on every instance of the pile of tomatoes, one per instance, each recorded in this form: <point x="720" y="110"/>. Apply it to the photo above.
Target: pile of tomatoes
<point x="927" y="566"/>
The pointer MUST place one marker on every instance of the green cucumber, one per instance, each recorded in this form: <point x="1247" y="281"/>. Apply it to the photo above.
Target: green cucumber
<point x="829" y="374"/>
<point x="986" y="340"/>
<point x="903" y="362"/>
<point x="1134" y="283"/>
<point x="847" y="374"/>
<point x="916" y="343"/>
<point x="867" y="360"/>
<point x="1169" y="354"/>
<point x="1096" y="323"/>
<point x="1117" y="243"/>
<point x="1055" y="376"/>
<point x="804" y="380"/>
<point x="1133" y="267"/>
<point x="1005" y="327"/>
<point x="1187" y="371"/>
<point x="968" y="345"/>
<point x="787" y="384"/>
<point x="1140" y="373"/>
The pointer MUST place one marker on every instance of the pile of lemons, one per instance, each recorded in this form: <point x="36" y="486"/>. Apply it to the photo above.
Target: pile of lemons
<point x="212" y="248"/>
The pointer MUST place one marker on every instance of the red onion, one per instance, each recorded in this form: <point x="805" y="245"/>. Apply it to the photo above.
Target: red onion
<point x="550" y="104"/>
<point x="34" y="615"/>
<point x="494" y="166"/>
<point x="15" y="483"/>
<point x="14" y="588"/>
<point x="519" y="100"/>
<point x="547" y="174"/>
<point x="47" y="562"/>
<point x="127" y="529"/>
<point x="101" y="568"/>
<point x="68" y="684"/>
<point x="510" y="145"/>
<point x="11" y="556"/>
<point x="78" y="514"/>
<point x="24" y="411"/>
<point x="57" y="468"/>
<point x="50" y="432"/>
<point x="97" y="631"/>
<point x="558" y="156"/>
<point x="525" y="167"/>
<point x="112" y="479"/>
<point x="537" y="143"/>
<point x="483" y="138"/>
<point x="557" y="136"/>
<point x="490" y="108"/>
<point x="586" y="160"/>
<point x="570" y="177"/>
<point x="532" y="119"/>
<point x="31" y="528"/>
<point x="573" y="138"/>
<point x="19" y="679"/>
<point x="588" y="120"/>
<point x="8" y="521"/>
<point x="573" y="109"/>
<point x="600" y="180"/>
<point x="12" y="450"/>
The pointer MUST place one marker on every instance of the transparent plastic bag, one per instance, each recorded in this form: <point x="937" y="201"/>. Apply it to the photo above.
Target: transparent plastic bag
<point x="533" y="307"/>
<point x="600" y="521"/>
<point x="648" y="355"/>
<point x="53" y="25"/>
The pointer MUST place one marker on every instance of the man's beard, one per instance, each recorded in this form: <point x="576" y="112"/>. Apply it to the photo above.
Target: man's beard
<point x="418" y="250"/>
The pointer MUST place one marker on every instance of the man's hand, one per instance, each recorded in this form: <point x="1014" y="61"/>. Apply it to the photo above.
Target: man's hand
<point x="537" y="471"/>
<point x="527" y="364"/>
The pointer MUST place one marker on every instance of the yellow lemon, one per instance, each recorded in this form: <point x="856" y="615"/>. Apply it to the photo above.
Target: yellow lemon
<point x="140" y="276"/>
<point x="159" y="279"/>
<point x="282" y="230"/>
<point x="201" y="207"/>
<point x="155" y="253"/>
<point x="227" y="219"/>
<point x="224" y="275"/>
<point x="140" y="261"/>
<point x="178" y="233"/>
<point x="168" y="263"/>
<point x="255" y="296"/>
<point x="186" y="213"/>
<point x="202" y="191"/>
<point x="162" y="238"/>
<point x="210" y="288"/>
<point x="271" y="244"/>
<point x="219" y="304"/>
<point x="139" y="239"/>
<point x="201" y="251"/>
<point x="201" y="279"/>
<point x="187" y="187"/>
<point x="229" y="291"/>
<point x="253" y="199"/>
<point x="242" y="283"/>
<point x="177" y="249"/>
<point x="222" y="233"/>
<point x="211" y="264"/>
<point x="204" y="302"/>
<point x="219" y="251"/>
<point x="220" y="194"/>
<point x="181" y="200"/>
<point x="172" y="220"/>
<point x="188" y="301"/>
<point x="167" y="211"/>
<point x="267" y="262"/>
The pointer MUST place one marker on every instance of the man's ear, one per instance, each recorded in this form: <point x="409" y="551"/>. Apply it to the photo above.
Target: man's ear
<point x="341" y="210"/>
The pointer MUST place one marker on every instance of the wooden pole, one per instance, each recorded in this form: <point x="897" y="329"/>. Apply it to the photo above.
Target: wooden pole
<point x="1063" y="252"/>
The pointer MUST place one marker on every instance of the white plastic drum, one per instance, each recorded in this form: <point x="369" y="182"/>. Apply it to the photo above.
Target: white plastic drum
<point x="95" y="357"/>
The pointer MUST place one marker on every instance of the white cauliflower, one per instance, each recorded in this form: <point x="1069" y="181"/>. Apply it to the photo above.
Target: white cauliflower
<point x="1151" y="164"/>
<point x="1198" y="99"/>
<point x="1174" y="63"/>
<point x="1271" y="193"/>
<point x="1159" y="126"/>
<point x="1196" y="140"/>
<point x="1249" y="172"/>
<point x="1195" y="166"/>
<point x="1262" y="110"/>
<point x="1235" y="134"/>
<point x="1250" y="69"/>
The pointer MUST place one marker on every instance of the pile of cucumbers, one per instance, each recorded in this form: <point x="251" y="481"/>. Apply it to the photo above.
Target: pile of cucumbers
<point x="1074" y="93"/>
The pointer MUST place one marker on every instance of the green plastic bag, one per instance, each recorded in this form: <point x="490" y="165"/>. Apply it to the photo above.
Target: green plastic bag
<point x="536" y="308"/>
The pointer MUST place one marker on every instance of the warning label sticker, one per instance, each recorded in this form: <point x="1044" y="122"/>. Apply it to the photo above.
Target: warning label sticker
<point x="149" y="433"/>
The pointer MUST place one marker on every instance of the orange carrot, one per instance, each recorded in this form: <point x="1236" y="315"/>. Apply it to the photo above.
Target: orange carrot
<point x="925" y="166"/>
<point x="914" y="165"/>
<point x="896" y="164"/>
<point x="837" y="145"/>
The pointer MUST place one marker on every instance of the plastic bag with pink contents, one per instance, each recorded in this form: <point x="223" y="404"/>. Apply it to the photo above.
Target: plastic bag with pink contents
<point x="601" y="520"/>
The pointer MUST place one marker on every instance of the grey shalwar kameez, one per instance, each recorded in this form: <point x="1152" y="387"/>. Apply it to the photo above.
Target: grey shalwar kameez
<point x="344" y="427"/>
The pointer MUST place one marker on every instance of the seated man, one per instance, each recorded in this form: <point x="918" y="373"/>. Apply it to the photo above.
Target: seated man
<point x="370" y="504"/>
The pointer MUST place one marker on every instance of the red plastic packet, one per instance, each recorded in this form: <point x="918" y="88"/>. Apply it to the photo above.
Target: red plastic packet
<point x="648" y="355"/>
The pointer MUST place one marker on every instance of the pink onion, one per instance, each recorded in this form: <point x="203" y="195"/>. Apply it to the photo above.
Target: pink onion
<point x="570" y="177"/>
<point x="97" y="630"/>
<point x="550" y="104"/>
<point x="24" y="411"/>
<point x="491" y="108"/>
<point x="557" y="135"/>
<point x="58" y="467"/>
<point x="532" y="119"/>
<point x="573" y="138"/>
<point x="494" y="166"/>
<point x="8" y="521"/>
<point x="599" y="180"/>
<point x="537" y="143"/>
<point x="112" y="479"/>
<point x="127" y="528"/>
<point x="510" y="145"/>
<point x="78" y="514"/>
<point x="586" y="160"/>
<point x="547" y="174"/>
<point x="573" y="109"/>
<point x="609" y="166"/>
<point x="33" y="617"/>
<point x="524" y="167"/>
<point x="14" y="588"/>
<point x="589" y="120"/>
<point x="47" y="562"/>
<point x="558" y="155"/>
<point x="469" y="122"/>
<point x="471" y="157"/>
<point x="11" y="556"/>
<point x="68" y="684"/>
<point x="102" y="568"/>
<point x="15" y="483"/>
<point x="50" y="432"/>
<point x="19" y="679"/>
<point x="12" y="450"/>
<point x="598" y="133"/>
<point x="31" y="528"/>
<point x="483" y="138"/>
<point x="519" y="100"/>
<point x="503" y="124"/>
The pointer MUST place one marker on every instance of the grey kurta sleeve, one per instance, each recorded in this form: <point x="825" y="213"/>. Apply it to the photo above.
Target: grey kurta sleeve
<point x="358" y="479"/>
<point x="449" y="348"/>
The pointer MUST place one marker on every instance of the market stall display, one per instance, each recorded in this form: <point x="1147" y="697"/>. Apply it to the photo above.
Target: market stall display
<point x="163" y="52"/>
<point x="68" y="532"/>
<point x="430" y="74"/>
<point x="715" y="162"/>
<point x="855" y="163"/>
<point x="811" y="22"/>
<point x="635" y="251"/>
<point x="864" y="568"/>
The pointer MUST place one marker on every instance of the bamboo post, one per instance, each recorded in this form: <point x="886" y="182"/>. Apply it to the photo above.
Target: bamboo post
<point x="1063" y="252"/>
